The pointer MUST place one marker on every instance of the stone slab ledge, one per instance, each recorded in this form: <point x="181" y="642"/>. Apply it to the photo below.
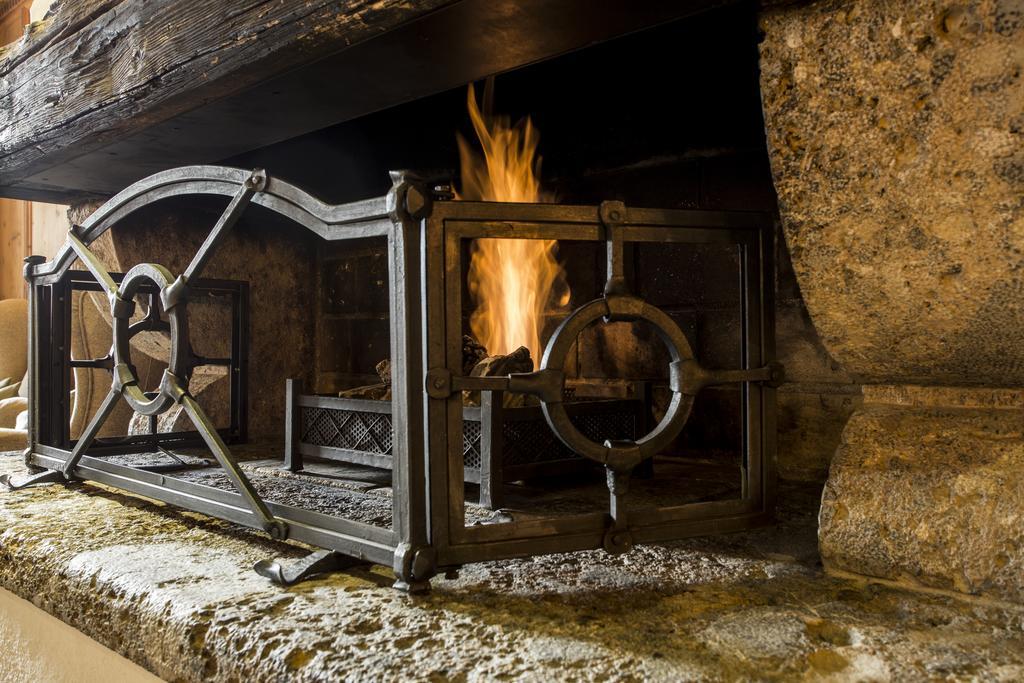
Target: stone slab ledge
<point x="174" y="592"/>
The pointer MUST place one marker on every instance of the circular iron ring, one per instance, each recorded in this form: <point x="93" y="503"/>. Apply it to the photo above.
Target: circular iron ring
<point x="619" y="455"/>
<point x="177" y="364"/>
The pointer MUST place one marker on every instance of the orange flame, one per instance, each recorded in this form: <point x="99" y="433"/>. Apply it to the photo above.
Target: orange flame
<point x="512" y="281"/>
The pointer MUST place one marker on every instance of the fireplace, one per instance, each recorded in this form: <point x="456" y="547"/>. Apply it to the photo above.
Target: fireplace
<point x="647" y="413"/>
<point x="426" y="238"/>
<point x="884" y="137"/>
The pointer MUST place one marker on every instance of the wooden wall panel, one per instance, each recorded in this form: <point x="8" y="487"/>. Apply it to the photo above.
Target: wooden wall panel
<point x="15" y="227"/>
<point x="15" y="216"/>
<point x="13" y="17"/>
<point x="49" y="228"/>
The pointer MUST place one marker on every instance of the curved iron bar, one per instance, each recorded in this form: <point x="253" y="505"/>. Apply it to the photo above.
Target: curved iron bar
<point x="278" y="196"/>
<point x="619" y="456"/>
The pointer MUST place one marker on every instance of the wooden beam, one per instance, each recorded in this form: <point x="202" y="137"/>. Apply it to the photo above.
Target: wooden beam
<point x="15" y="216"/>
<point x="108" y="91"/>
<point x="101" y="69"/>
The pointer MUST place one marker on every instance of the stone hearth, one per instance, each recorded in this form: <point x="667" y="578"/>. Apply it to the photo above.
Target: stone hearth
<point x="745" y="606"/>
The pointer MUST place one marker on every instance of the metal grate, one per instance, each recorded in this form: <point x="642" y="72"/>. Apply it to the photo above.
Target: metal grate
<point x="528" y="442"/>
<point x="525" y="442"/>
<point x="472" y="446"/>
<point x="349" y="429"/>
<point x="600" y="427"/>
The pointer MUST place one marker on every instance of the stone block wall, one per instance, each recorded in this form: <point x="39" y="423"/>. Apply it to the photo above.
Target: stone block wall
<point x="351" y="312"/>
<point x="896" y="138"/>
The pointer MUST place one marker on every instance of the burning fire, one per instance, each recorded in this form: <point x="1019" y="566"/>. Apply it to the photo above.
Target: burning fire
<point x="512" y="281"/>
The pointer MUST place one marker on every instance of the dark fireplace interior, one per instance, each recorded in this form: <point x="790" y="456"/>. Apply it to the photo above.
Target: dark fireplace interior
<point x="614" y="125"/>
<point x="668" y="117"/>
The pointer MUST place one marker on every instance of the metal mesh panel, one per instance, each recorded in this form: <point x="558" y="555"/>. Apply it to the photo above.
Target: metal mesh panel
<point x="380" y="431"/>
<point x="613" y="426"/>
<point x="472" y="446"/>
<point x="529" y="442"/>
<point x="525" y="442"/>
<point x="357" y="431"/>
<point x="317" y="427"/>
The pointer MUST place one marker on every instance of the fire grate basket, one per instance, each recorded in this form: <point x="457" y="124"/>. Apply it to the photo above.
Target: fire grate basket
<point x="426" y="447"/>
<point x="499" y="444"/>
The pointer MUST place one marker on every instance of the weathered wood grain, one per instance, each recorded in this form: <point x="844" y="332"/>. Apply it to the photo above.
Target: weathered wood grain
<point x="102" y="68"/>
<point x="106" y="92"/>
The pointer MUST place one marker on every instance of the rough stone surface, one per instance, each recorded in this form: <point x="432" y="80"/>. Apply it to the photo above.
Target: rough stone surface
<point x="174" y="592"/>
<point x="896" y="138"/>
<point x="810" y="424"/>
<point x="928" y="488"/>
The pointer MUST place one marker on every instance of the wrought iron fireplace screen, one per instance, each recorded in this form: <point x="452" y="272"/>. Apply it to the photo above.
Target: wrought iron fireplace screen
<point x="424" y="236"/>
